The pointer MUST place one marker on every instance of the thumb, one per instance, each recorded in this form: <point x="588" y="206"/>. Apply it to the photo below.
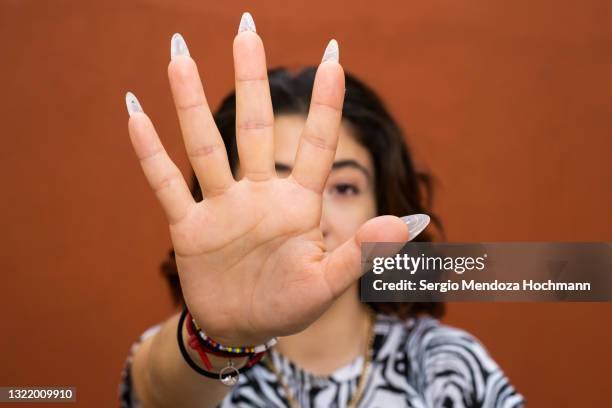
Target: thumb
<point x="343" y="265"/>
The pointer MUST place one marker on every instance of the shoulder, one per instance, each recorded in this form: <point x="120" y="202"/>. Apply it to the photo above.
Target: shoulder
<point x="445" y="366"/>
<point x="127" y="396"/>
<point x="428" y="338"/>
<point x="455" y="369"/>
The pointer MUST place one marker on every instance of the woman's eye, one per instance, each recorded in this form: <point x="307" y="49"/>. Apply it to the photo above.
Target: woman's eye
<point x="345" y="189"/>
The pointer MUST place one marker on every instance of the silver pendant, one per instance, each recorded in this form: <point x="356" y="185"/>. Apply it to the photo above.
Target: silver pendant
<point x="229" y="375"/>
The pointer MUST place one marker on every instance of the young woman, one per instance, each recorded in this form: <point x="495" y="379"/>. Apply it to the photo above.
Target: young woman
<point x="291" y="174"/>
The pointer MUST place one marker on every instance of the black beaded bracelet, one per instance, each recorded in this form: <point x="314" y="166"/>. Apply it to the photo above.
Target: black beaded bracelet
<point x="190" y="362"/>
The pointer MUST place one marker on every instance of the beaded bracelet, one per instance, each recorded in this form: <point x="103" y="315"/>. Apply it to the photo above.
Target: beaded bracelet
<point x="233" y="350"/>
<point x="194" y="338"/>
<point x="228" y="375"/>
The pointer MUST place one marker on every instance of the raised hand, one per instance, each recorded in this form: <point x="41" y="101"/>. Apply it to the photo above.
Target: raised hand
<point x="251" y="257"/>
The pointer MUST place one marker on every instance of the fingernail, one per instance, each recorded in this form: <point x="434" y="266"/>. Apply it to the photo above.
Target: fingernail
<point x="416" y="224"/>
<point x="331" y="52"/>
<point x="132" y="103"/>
<point x="178" y="46"/>
<point x="246" y="23"/>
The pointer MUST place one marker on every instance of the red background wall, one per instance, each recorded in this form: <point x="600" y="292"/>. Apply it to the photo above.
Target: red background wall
<point x="508" y="103"/>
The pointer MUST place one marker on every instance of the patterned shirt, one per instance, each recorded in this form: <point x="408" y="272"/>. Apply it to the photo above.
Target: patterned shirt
<point x="418" y="362"/>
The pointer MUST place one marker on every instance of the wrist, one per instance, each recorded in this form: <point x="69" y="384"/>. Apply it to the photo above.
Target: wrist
<point x="206" y="348"/>
<point x="217" y="362"/>
<point x="237" y="341"/>
<point x="235" y="344"/>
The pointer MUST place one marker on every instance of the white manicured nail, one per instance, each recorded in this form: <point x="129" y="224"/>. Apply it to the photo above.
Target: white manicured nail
<point x="132" y="103"/>
<point x="178" y="46"/>
<point x="246" y="23"/>
<point x="332" y="53"/>
<point x="416" y="224"/>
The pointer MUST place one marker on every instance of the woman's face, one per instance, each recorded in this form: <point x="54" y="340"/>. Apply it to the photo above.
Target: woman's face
<point x="348" y="199"/>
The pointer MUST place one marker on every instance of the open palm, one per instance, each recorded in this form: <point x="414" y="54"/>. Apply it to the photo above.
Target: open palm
<point x="251" y="257"/>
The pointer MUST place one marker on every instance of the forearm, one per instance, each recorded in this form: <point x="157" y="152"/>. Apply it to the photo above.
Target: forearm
<point x="162" y="378"/>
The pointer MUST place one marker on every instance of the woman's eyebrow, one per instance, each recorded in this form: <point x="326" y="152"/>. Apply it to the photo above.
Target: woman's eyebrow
<point x="351" y="163"/>
<point x="283" y="167"/>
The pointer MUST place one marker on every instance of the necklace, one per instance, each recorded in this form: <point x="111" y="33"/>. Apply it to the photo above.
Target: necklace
<point x="368" y="351"/>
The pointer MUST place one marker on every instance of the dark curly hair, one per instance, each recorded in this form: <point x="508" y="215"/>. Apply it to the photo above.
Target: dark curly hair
<point x="400" y="188"/>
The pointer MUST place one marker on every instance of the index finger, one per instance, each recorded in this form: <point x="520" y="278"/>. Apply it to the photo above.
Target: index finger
<point x="317" y="147"/>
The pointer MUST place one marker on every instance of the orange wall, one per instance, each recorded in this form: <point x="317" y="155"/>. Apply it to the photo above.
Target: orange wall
<point x="508" y="103"/>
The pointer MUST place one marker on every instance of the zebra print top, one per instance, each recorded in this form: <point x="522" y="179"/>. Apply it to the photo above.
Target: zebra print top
<point x="418" y="362"/>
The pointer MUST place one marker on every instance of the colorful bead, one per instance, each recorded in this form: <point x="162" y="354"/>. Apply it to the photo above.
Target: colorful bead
<point x="236" y="350"/>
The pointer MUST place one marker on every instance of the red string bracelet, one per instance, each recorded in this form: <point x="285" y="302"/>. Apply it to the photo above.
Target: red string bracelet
<point x="229" y="374"/>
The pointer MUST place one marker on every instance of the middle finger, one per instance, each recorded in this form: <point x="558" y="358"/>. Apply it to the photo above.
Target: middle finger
<point x="254" y="114"/>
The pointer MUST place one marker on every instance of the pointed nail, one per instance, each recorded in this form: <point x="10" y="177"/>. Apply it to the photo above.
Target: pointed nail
<point x="132" y="103"/>
<point x="331" y="52"/>
<point x="416" y="224"/>
<point x="178" y="46"/>
<point x="246" y="23"/>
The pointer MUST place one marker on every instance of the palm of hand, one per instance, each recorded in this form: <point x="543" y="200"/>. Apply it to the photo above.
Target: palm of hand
<point x="270" y="230"/>
<point x="251" y="258"/>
